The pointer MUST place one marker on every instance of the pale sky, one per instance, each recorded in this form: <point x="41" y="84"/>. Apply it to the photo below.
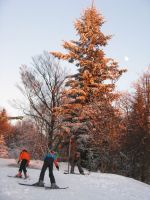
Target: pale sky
<point x="28" y="27"/>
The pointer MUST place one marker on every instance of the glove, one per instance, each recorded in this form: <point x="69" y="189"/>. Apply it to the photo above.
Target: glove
<point x="57" y="167"/>
<point x="18" y="161"/>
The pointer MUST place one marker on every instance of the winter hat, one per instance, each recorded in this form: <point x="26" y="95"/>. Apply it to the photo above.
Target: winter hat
<point x="24" y="150"/>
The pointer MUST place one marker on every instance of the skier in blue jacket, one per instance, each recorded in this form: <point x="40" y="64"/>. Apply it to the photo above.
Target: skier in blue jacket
<point x="49" y="159"/>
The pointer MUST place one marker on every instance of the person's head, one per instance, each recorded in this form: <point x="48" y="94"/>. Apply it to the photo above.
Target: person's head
<point x="24" y="150"/>
<point x="51" y="151"/>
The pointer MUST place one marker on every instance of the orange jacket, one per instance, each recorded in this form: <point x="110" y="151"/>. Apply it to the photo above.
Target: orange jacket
<point x="24" y="155"/>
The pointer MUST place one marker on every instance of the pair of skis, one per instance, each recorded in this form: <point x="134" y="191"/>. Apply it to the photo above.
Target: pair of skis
<point x="17" y="177"/>
<point x="75" y="173"/>
<point x="26" y="184"/>
<point x="46" y="187"/>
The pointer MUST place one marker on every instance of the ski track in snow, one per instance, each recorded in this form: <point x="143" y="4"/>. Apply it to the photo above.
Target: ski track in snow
<point x="96" y="186"/>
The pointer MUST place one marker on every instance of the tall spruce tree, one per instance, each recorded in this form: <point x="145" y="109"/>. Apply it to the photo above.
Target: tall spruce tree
<point x="96" y="75"/>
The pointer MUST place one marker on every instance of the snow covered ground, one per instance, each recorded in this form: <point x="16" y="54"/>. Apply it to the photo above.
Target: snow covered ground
<point x="96" y="186"/>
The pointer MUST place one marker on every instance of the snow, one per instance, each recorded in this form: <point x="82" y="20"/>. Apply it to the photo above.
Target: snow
<point x="96" y="186"/>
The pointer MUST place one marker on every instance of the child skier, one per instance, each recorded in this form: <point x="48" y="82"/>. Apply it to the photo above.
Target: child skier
<point x="49" y="159"/>
<point x="24" y="158"/>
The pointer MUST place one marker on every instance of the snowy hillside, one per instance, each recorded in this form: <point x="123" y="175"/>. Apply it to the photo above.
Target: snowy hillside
<point x="95" y="186"/>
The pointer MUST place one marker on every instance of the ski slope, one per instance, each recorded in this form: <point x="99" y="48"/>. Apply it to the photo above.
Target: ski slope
<point x="96" y="186"/>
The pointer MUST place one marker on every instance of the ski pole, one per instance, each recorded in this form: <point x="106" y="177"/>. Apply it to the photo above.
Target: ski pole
<point x="69" y="154"/>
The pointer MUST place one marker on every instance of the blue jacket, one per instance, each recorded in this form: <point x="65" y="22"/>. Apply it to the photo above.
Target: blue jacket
<point x="50" y="155"/>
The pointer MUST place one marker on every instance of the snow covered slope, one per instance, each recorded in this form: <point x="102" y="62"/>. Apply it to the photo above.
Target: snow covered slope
<point x="96" y="186"/>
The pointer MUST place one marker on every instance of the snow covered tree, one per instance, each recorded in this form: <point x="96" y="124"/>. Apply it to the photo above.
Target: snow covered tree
<point x="136" y="143"/>
<point x="26" y="135"/>
<point x="96" y="76"/>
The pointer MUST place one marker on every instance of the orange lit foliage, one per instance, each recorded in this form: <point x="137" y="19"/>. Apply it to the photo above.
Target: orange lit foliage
<point x="5" y="126"/>
<point x="96" y="77"/>
<point x="5" y="129"/>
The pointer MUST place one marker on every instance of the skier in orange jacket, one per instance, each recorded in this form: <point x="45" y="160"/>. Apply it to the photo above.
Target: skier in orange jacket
<point x="24" y="158"/>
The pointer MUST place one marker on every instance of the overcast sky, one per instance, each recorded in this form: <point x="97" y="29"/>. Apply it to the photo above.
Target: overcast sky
<point x="28" y="27"/>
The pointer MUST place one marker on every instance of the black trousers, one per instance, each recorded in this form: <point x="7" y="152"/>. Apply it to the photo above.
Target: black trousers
<point x="23" y="166"/>
<point x="73" y="163"/>
<point x="47" y="164"/>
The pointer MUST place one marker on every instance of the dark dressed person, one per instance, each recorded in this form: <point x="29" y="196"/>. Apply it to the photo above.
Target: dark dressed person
<point x="75" y="157"/>
<point x="49" y="159"/>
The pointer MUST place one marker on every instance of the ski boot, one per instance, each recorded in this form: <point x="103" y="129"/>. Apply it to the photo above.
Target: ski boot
<point x="39" y="184"/>
<point x="54" y="186"/>
<point x="19" y="175"/>
<point x="26" y="176"/>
